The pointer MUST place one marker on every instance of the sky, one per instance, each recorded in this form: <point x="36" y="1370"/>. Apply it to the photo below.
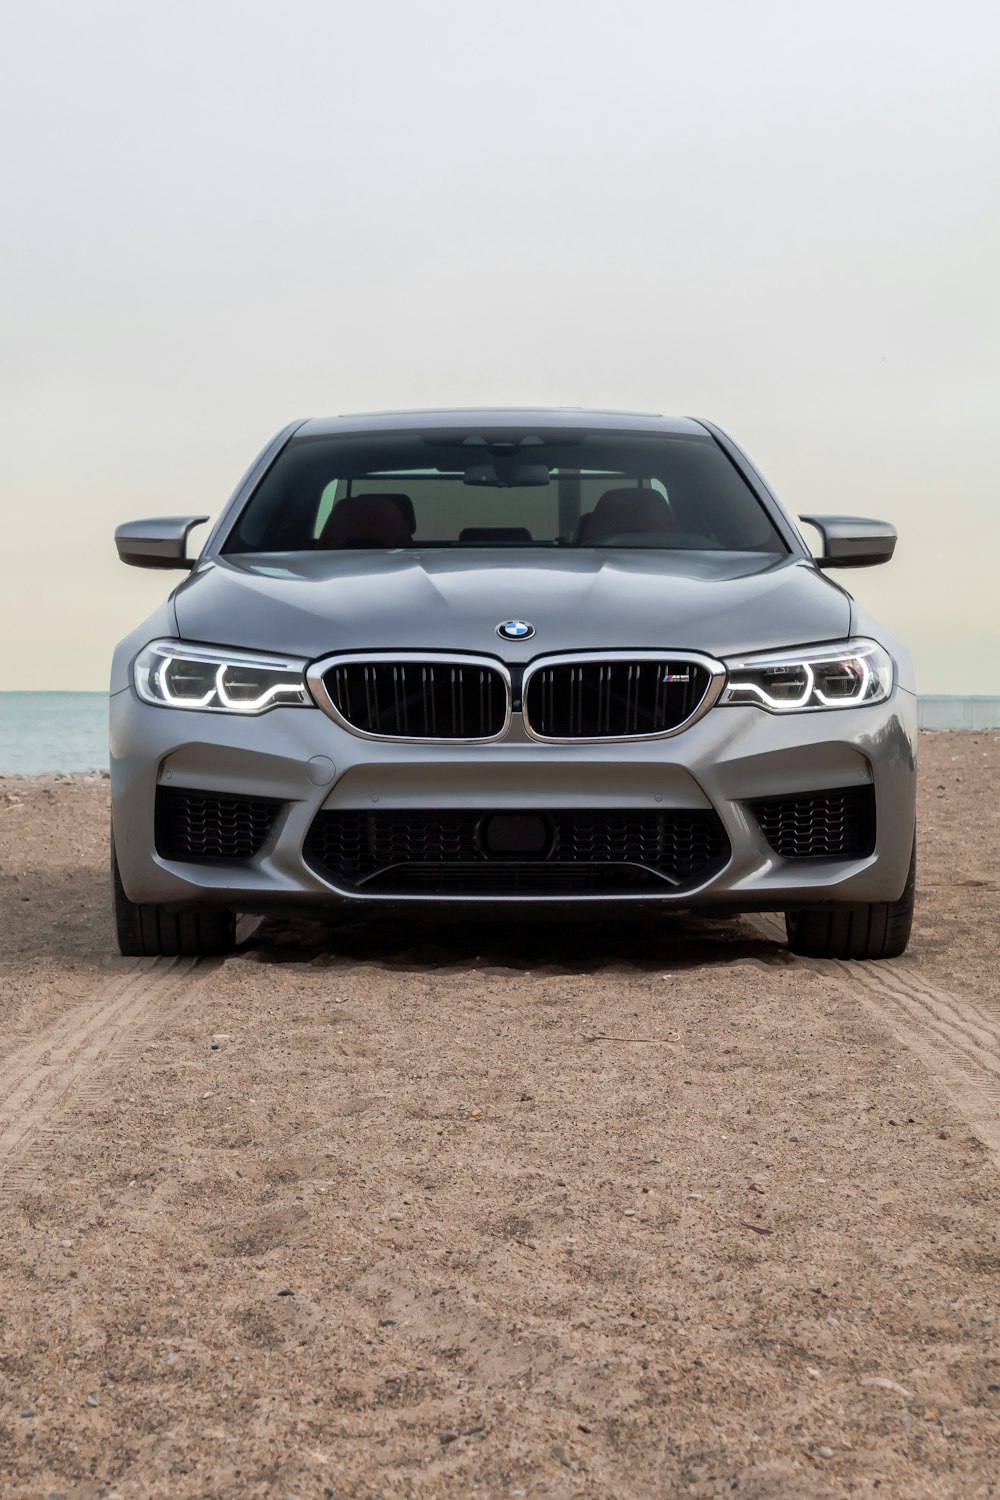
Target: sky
<point x="219" y="217"/>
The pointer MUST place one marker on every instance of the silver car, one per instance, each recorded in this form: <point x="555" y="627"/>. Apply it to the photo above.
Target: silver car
<point x="511" y="661"/>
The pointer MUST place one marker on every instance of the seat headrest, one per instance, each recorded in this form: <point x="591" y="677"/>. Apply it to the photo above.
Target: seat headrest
<point x="405" y="505"/>
<point x="624" y="510"/>
<point x="368" y="521"/>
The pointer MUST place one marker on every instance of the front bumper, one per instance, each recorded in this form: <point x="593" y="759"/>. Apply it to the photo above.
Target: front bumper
<point x="726" y="761"/>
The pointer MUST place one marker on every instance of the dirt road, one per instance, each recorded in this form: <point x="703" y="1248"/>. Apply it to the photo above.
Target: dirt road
<point x="507" y="1212"/>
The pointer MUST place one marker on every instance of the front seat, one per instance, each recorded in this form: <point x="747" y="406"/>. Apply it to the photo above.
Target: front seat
<point x="627" y="510"/>
<point x="368" y="521"/>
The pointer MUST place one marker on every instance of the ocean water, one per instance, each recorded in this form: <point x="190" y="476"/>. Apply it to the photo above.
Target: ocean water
<point x="938" y="711"/>
<point x="42" y="733"/>
<point x="46" y="732"/>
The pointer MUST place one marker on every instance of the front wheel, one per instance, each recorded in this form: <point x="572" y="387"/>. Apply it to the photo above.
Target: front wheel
<point x="147" y="930"/>
<point x="871" y="929"/>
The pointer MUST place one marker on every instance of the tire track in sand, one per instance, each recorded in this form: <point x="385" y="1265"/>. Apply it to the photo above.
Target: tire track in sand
<point x="957" y="1041"/>
<point x="954" y="1039"/>
<point x="70" y="1064"/>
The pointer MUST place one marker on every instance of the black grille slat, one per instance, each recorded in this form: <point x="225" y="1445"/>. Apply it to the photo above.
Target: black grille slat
<point x="192" y="825"/>
<point x="836" y="824"/>
<point x="419" y="699"/>
<point x="614" y="698"/>
<point x="612" y="852"/>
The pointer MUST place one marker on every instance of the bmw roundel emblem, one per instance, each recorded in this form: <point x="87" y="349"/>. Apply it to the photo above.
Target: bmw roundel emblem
<point x="515" y="630"/>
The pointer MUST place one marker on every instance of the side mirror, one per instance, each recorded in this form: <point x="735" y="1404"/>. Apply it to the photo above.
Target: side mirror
<point x="853" y="541"/>
<point x="157" y="543"/>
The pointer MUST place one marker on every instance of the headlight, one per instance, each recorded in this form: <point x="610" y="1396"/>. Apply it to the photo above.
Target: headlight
<point x="808" y="678"/>
<point x="218" y="680"/>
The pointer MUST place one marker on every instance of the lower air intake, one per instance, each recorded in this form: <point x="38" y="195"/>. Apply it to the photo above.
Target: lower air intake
<point x="193" y="825"/>
<point x="820" y="825"/>
<point x="474" y="853"/>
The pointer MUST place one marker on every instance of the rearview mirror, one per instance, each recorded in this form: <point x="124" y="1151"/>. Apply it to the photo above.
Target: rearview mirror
<point x="853" y="541"/>
<point x="506" y="474"/>
<point x="157" y="543"/>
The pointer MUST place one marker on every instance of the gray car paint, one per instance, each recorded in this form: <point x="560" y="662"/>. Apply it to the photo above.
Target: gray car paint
<point x="731" y="756"/>
<point x="313" y="604"/>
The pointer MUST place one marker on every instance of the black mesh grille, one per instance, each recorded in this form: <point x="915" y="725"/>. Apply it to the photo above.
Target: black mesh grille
<point x="449" y="852"/>
<point x="420" y="699"/>
<point x="205" y="825"/>
<point x="821" y="825"/>
<point x="610" y="699"/>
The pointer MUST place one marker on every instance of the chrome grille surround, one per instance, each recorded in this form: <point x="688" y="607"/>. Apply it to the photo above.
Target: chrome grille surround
<point x="713" y="672"/>
<point x="398" y="665"/>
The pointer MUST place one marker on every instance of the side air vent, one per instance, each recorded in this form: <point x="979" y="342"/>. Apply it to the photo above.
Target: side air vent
<point x="415" y="698"/>
<point x="192" y="825"/>
<point x="820" y="825"/>
<point x="617" y="697"/>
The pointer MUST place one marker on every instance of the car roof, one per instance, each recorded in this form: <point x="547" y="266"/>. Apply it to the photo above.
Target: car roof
<point x="561" y="418"/>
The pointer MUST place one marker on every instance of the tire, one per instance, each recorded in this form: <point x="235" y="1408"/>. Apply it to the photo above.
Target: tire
<point x="872" y="929"/>
<point x="151" y="931"/>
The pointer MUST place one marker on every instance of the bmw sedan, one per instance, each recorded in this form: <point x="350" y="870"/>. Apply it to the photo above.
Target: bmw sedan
<point x="511" y="662"/>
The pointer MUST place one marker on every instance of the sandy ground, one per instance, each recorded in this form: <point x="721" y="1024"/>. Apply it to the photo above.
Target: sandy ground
<point x="507" y="1212"/>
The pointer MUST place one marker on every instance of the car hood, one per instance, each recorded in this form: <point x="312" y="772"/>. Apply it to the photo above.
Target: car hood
<point x="310" y="604"/>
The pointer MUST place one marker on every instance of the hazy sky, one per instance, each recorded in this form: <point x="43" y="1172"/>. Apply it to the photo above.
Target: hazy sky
<point x="217" y="217"/>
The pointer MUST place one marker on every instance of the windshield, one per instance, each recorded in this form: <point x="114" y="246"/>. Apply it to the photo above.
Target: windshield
<point x="513" y="489"/>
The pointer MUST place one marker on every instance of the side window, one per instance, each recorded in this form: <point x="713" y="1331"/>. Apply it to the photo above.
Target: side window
<point x="327" y="500"/>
